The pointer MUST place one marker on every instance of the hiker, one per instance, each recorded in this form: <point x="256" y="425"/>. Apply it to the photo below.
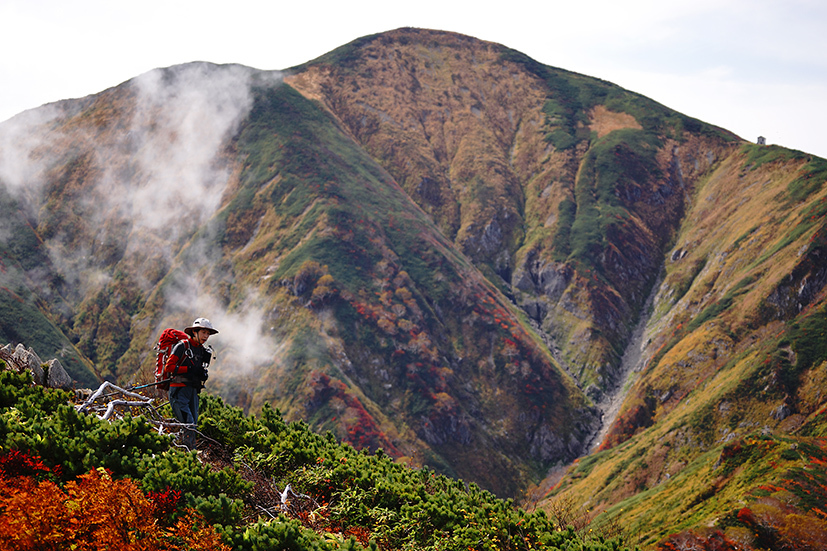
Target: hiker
<point x="188" y="363"/>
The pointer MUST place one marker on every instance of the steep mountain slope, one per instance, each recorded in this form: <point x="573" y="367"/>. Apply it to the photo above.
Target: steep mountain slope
<point x="434" y="245"/>
<point x="564" y="189"/>
<point x="735" y="351"/>
<point x="338" y="299"/>
<point x="255" y="483"/>
<point x="26" y="281"/>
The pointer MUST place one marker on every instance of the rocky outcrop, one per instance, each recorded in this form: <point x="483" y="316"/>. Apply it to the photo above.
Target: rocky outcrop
<point x="50" y="374"/>
<point x="804" y="283"/>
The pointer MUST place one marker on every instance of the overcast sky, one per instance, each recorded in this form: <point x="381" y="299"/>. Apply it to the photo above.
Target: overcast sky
<point x="755" y="67"/>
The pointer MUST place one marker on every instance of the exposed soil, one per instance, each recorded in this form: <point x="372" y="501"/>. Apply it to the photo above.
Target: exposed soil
<point x="604" y="121"/>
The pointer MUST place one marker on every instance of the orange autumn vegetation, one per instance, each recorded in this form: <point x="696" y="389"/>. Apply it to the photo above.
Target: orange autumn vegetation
<point x="93" y="512"/>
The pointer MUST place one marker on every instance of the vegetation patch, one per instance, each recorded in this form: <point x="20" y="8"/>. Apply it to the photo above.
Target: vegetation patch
<point x="715" y="309"/>
<point x="343" y="57"/>
<point x="808" y="338"/>
<point x="230" y="497"/>
<point x="573" y="96"/>
<point x="759" y="155"/>
<point x="810" y="182"/>
<point x="622" y="158"/>
<point x="683" y="286"/>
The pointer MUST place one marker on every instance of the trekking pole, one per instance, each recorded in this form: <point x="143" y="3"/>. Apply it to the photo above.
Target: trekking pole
<point x="151" y="384"/>
<point x="138" y="387"/>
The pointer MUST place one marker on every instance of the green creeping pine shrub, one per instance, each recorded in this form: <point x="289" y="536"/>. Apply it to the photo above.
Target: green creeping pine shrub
<point x="389" y="505"/>
<point x="183" y="472"/>
<point x="220" y="509"/>
<point x="400" y="507"/>
<point x="79" y="442"/>
<point x="41" y="422"/>
<point x="286" y="535"/>
<point x="17" y="392"/>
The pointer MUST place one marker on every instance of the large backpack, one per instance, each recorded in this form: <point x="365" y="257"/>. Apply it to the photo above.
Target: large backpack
<point x="166" y="341"/>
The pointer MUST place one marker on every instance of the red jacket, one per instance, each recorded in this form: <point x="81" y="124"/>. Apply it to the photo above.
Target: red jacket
<point x="180" y="363"/>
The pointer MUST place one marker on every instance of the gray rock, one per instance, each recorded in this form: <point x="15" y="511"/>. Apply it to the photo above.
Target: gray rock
<point x="535" y="309"/>
<point x="545" y="444"/>
<point x="522" y="280"/>
<point x="57" y="376"/>
<point x="35" y="366"/>
<point x="38" y="376"/>
<point x="22" y="358"/>
<point x="20" y="355"/>
<point x="553" y="280"/>
<point x="780" y="413"/>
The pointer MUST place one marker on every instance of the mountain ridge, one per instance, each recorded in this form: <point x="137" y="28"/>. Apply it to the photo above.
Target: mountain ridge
<point x="430" y="244"/>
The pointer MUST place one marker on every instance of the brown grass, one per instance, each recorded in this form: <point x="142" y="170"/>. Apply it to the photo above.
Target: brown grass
<point x="604" y="121"/>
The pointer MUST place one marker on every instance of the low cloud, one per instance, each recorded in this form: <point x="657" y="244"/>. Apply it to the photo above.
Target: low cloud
<point x="242" y="343"/>
<point x="157" y="171"/>
<point x="154" y="171"/>
<point x="20" y="141"/>
<point x="184" y="117"/>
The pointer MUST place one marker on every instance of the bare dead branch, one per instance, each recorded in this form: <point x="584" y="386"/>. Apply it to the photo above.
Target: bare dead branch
<point x="107" y="385"/>
<point x="110" y="409"/>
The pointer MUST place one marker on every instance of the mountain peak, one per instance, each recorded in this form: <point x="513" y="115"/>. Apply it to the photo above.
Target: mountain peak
<point x="431" y="244"/>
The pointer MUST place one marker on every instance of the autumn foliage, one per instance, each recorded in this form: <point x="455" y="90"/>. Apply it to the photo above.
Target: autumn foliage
<point x="254" y="484"/>
<point x="92" y="512"/>
<point x="786" y="514"/>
